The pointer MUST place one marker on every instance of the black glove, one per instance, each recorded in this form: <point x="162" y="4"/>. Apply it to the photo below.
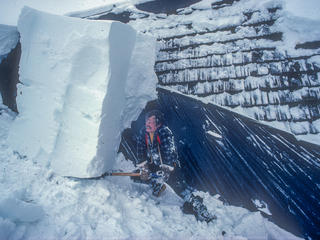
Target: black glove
<point x="145" y="176"/>
<point x="166" y="171"/>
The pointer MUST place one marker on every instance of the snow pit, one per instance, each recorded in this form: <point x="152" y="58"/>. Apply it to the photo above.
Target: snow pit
<point x="82" y="83"/>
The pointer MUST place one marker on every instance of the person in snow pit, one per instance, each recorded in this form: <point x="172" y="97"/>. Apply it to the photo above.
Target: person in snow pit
<point x="159" y="164"/>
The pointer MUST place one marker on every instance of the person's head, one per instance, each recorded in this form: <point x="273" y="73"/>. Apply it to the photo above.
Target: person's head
<point x="153" y="120"/>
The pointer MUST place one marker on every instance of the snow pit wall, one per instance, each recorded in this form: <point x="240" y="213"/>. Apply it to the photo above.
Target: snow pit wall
<point x="78" y="79"/>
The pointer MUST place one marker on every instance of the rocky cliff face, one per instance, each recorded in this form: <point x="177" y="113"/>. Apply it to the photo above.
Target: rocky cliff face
<point x="238" y="54"/>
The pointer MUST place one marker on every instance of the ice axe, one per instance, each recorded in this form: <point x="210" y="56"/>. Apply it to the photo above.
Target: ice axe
<point x="106" y="174"/>
<point x="134" y="174"/>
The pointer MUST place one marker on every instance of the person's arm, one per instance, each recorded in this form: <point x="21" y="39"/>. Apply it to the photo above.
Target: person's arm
<point x="168" y="148"/>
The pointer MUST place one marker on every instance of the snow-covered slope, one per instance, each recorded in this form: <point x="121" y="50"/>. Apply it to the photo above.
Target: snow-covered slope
<point x="44" y="205"/>
<point x="10" y="9"/>
<point x="80" y="86"/>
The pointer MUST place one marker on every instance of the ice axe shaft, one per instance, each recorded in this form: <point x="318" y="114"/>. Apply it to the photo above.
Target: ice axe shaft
<point x="130" y="174"/>
<point x="133" y="174"/>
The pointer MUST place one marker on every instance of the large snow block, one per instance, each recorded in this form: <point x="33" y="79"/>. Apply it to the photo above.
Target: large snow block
<point x="83" y="82"/>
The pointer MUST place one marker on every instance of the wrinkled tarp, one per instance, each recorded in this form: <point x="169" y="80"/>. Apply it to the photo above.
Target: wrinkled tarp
<point x="251" y="161"/>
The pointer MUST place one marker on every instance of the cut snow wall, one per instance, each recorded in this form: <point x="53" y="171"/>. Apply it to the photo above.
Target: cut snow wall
<point x="79" y="78"/>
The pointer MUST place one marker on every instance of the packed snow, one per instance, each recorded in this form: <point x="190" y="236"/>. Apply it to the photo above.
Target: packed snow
<point x="35" y="202"/>
<point x="10" y="9"/>
<point x="306" y="9"/>
<point x="80" y="87"/>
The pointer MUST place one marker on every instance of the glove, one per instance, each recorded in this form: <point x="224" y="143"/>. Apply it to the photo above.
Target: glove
<point x="144" y="175"/>
<point x="142" y="164"/>
<point x="158" y="188"/>
<point x="166" y="169"/>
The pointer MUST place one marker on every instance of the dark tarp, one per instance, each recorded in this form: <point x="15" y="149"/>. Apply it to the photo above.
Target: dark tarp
<point x="251" y="161"/>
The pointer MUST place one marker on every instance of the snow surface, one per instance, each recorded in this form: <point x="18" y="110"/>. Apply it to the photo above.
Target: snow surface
<point x="299" y="23"/>
<point x="83" y="82"/>
<point x="306" y="9"/>
<point x="10" y="9"/>
<point x="35" y="202"/>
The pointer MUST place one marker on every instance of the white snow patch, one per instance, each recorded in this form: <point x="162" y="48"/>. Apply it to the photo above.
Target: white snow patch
<point x="297" y="30"/>
<point x="306" y="9"/>
<point x="10" y="9"/>
<point x="15" y="209"/>
<point x="262" y="206"/>
<point x="214" y="134"/>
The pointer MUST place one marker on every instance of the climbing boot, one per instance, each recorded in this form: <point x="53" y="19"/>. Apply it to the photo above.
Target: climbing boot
<point x="158" y="188"/>
<point x="196" y="207"/>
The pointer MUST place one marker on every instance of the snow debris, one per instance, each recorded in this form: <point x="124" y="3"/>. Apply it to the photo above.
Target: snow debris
<point x="214" y="134"/>
<point x="262" y="206"/>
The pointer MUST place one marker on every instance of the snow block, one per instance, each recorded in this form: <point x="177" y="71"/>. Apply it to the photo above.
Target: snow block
<point x="83" y="82"/>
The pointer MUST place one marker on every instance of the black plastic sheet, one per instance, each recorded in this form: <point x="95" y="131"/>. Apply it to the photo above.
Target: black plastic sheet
<point x="251" y="161"/>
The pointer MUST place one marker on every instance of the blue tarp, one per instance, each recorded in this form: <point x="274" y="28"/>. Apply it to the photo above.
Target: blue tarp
<point x="251" y="161"/>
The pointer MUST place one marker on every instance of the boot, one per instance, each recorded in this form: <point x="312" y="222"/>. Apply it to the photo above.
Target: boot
<point x="196" y="207"/>
<point x="158" y="188"/>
